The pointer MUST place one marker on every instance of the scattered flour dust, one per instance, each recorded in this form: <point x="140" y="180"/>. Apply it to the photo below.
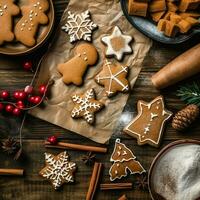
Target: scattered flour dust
<point x="177" y="175"/>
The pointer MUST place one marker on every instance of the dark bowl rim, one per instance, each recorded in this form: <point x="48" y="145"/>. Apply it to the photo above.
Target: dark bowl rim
<point x="38" y="45"/>
<point x="161" y="152"/>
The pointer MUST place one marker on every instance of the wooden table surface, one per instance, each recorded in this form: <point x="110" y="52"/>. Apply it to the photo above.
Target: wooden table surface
<point x="32" y="186"/>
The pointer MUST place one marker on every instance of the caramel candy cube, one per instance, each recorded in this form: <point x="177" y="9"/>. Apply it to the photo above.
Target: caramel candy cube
<point x="172" y="7"/>
<point x="157" y="16"/>
<point x="157" y="6"/>
<point x="167" y="15"/>
<point x="188" y="5"/>
<point x="161" y="25"/>
<point x="184" y="26"/>
<point x="171" y="29"/>
<point x="175" y="18"/>
<point x="189" y="14"/>
<point x="137" y="8"/>
<point x="192" y="21"/>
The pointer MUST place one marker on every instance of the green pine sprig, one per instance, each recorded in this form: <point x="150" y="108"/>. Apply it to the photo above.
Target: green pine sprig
<point x="190" y="93"/>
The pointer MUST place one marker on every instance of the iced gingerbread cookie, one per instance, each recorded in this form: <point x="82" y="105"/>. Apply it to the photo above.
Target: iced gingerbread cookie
<point x="74" y="69"/>
<point x="86" y="106"/>
<point x="79" y="26"/>
<point x="117" y="43"/>
<point x="33" y="14"/>
<point x="148" y="125"/>
<point x="124" y="161"/>
<point x="7" y="10"/>
<point x="113" y="78"/>
<point x="58" y="169"/>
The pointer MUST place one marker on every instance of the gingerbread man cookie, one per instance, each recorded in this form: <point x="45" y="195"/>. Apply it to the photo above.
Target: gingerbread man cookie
<point x="58" y="169"/>
<point x="148" y="125"/>
<point x="86" y="106"/>
<point x="7" y="10"/>
<point x="74" y="69"/>
<point x="117" y="43"/>
<point x="113" y="78"/>
<point x="33" y="14"/>
<point x="124" y="161"/>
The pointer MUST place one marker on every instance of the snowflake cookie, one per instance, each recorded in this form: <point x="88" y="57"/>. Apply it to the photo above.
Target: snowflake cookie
<point x="79" y="26"/>
<point x="113" y="77"/>
<point x="124" y="161"/>
<point x="58" y="169"/>
<point x="148" y="125"/>
<point x="86" y="106"/>
<point x="117" y="43"/>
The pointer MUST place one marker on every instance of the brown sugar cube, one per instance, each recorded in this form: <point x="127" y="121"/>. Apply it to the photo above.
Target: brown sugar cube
<point x="171" y="29"/>
<point x="161" y="25"/>
<point x="167" y="15"/>
<point x="192" y="21"/>
<point x="175" y="18"/>
<point x="188" y="5"/>
<point x="184" y="26"/>
<point x="137" y="8"/>
<point x="172" y="7"/>
<point x="189" y="14"/>
<point x="156" y="6"/>
<point x="157" y="16"/>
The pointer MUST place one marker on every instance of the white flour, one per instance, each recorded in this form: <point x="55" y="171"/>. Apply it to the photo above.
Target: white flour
<point x="177" y="175"/>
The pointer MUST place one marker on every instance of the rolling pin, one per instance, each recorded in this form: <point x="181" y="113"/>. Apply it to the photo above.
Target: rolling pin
<point x="182" y="67"/>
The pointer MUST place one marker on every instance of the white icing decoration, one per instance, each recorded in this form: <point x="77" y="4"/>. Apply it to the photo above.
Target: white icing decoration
<point x="40" y="8"/>
<point x="124" y="153"/>
<point x="118" y="153"/>
<point x="146" y="130"/>
<point x="165" y="113"/>
<point x="58" y="170"/>
<point x="86" y="103"/>
<point x="34" y="5"/>
<point x="79" y="26"/>
<point x="5" y="7"/>
<point x="153" y="115"/>
<point x="115" y="34"/>
<point x="113" y="78"/>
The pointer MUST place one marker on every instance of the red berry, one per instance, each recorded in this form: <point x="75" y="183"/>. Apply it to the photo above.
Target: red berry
<point x="42" y="89"/>
<point x="27" y="65"/>
<point x="16" y="95"/>
<point x="20" y="104"/>
<point x="31" y="99"/>
<point x="22" y="95"/>
<point x="1" y="107"/>
<point x="28" y="89"/>
<point x="16" y="112"/>
<point x="37" y="99"/>
<point x="52" y="139"/>
<point x="4" y="94"/>
<point x="9" y="108"/>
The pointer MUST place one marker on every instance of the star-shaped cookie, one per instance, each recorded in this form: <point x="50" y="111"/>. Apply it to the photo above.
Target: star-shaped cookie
<point x="86" y="106"/>
<point x="113" y="78"/>
<point x="58" y="169"/>
<point x="148" y="125"/>
<point x="117" y="43"/>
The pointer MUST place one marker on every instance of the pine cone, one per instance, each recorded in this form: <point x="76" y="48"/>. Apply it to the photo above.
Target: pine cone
<point x="184" y="118"/>
<point x="10" y="145"/>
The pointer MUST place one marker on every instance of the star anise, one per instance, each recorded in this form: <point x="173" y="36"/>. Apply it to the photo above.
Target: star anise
<point x="10" y="145"/>
<point x="142" y="182"/>
<point x="89" y="158"/>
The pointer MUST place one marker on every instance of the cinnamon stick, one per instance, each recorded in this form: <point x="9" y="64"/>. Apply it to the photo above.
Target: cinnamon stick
<point x="64" y="145"/>
<point x="115" y="186"/>
<point x="94" y="180"/>
<point x="17" y="172"/>
<point x="123" y="197"/>
<point x="184" y="66"/>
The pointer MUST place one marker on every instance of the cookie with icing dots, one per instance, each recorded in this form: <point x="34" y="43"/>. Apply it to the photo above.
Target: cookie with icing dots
<point x="33" y="15"/>
<point x="113" y="78"/>
<point x="7" y="10"/>
<point x="149" y="123"/>
<point x="117" y="44"/>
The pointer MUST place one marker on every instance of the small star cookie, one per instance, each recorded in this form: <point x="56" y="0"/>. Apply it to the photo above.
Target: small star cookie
<point x="117" y="43"/>
<point x="86" y="106"/>
<point x="148" y="125"/>
<point x="113" y="78"/>
<point x="58" y="169"/>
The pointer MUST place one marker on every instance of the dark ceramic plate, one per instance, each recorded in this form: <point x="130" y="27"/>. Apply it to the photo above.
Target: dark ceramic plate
<point x="16" y="48"/>
<point x="148" y="28"/>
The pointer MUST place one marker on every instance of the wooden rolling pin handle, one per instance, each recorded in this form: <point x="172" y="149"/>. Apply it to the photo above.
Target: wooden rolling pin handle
<point x="18" y="172"/>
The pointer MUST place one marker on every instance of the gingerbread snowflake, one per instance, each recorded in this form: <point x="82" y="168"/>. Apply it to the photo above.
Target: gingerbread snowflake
<point x="58" y="169"/>
<point x="79" y="26"/>
<point x="86" y="106"/>
<point x="117" y="43"/>
<point x="113" y="78"/>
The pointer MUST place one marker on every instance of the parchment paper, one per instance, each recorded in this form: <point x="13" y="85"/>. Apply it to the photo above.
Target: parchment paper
<point x="106" y="14"/>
